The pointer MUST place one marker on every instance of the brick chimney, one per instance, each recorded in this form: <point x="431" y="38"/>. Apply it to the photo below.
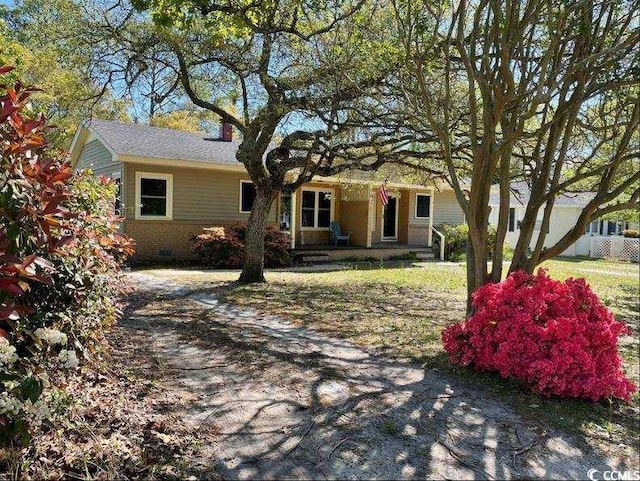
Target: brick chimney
<point x="226" y="132"/>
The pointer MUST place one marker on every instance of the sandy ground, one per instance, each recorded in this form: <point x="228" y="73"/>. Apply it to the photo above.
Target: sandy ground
<point x="273" y="401"/>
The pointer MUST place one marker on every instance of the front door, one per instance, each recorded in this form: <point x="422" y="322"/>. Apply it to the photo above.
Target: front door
<point x="390" y="220"/>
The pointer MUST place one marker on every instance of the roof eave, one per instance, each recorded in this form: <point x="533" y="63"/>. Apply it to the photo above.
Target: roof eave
<point x="83" y="132"/>
<point x="77" y="143"/>
<point x="180" y="163"/>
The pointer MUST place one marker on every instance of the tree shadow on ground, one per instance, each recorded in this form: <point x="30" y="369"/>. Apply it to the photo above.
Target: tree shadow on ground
<point x="384" y="316"/>
<point x="408" y="325"/>
<point x="628" y="304"/>
<point x="277" y="401"/>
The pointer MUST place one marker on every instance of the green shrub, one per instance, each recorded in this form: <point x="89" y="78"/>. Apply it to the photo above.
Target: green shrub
<point x="455" y="237"/>
<point x="507" y="252"/>
<point x="60" y="255"/>
<point x="407" y="256"/>
<point x="224" y="246"/>
<point x="360" y="259"/>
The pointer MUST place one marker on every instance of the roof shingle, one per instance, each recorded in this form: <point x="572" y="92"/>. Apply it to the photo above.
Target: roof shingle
<point x="160" y="143"/>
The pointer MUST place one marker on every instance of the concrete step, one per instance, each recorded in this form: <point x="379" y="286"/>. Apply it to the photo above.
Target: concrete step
<point x="313" y="257"/>
<point x="425" y="255"/>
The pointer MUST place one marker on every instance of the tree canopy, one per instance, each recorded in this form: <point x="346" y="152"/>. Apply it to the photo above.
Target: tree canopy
<point x="480" y="93"/>
<point x="544" y="92"/>
<point x="293" y="77"/>
<point x="67" y="94"/>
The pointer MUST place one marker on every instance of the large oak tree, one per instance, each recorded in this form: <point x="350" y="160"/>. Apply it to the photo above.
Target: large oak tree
<point x="297" y="80"/>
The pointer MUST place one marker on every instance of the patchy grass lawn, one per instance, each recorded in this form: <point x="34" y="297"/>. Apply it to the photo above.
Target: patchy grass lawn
<point x="403" y="311"/>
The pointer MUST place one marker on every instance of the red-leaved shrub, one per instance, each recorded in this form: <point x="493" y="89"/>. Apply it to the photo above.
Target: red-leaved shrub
<point x="60" y="276"/>
<point x="224" y="246"/>
<point x="557" y="337"/>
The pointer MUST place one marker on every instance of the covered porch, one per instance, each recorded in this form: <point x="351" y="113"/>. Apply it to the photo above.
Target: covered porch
<point x="405" y="222"/>
<point x="379" y="251"/>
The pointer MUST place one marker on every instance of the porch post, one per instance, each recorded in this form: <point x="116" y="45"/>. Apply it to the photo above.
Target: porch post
<point x="371" y="214"/>
<point x="292" y="223"/>
<point x="433" y="201"/>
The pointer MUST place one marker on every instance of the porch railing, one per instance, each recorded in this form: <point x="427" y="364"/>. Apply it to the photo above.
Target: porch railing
<point x="441" y="236"/>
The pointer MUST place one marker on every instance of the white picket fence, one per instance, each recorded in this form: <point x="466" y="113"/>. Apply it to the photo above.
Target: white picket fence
<point x="615" y="247"/>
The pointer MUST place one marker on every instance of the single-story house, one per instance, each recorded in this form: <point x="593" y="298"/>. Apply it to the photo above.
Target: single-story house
<point x="172" y="184"/>
<point x="565" y="212"/>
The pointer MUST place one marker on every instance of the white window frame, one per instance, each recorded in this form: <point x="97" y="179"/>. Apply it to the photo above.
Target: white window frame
<point x="169" y="202"/>
<point x="415" y="210"/>
<point x="382" y="237"/>
<point x="316" y="208"/>
<point x="593" y="229"/>
<point x="243" y="181"/>
<point x="607" y="224"/>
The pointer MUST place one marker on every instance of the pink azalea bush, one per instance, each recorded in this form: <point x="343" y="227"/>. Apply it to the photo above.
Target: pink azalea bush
<point x="557" y="337"/>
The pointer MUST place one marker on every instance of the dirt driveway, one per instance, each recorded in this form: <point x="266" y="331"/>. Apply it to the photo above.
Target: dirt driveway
<point x="273" y="401"/>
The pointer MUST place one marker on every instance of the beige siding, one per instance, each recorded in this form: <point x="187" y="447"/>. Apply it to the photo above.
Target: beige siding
<point x="562" y="220"/>
<point x="446" y="209"/>
<point x="96" y="157"/>
<point x="418" y="228"/>
<point x="201" y="198"/>
<point x="404" y="216"/>
<point x="355" y="213"/>
<point x="354" y="216"/>
<point x="198" y="195"/>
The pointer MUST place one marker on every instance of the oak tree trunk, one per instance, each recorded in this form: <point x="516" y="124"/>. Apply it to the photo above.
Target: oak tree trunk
<point x="253" y="269"/>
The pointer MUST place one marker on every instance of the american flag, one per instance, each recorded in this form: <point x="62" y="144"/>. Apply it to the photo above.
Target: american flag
<point x="383" y="194"/>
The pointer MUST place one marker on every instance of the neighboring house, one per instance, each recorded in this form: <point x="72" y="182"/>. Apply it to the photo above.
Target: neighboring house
<point x="172" y="184"/>
<point x="566" y="209"/>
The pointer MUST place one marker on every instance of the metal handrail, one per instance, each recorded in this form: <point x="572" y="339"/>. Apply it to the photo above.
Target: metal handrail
<point x="441" y="235"/>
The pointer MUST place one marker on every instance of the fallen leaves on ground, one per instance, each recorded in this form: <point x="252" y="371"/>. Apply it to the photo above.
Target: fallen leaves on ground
<point x="124" y="422"/>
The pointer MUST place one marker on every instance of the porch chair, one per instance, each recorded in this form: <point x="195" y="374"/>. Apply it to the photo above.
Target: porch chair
<point x="338" y="235"/>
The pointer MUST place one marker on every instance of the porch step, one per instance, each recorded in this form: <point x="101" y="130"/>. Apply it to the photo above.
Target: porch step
<point x="423" y="256"/>
<point x="313" y="257"/>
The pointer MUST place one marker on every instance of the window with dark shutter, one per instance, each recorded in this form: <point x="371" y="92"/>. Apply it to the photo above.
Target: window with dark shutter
<point x="512" y="219"/>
